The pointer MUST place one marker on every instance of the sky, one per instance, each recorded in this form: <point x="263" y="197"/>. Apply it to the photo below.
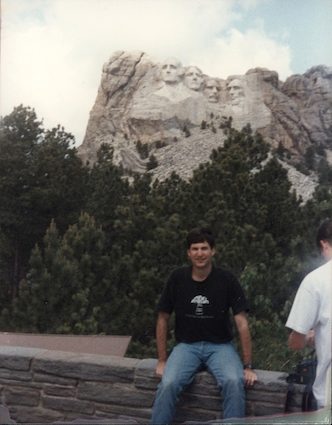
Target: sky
<point x="53" y="51"/>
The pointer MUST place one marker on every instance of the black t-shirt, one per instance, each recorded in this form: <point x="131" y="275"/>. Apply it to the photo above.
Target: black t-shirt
<point x="202" y="308"/>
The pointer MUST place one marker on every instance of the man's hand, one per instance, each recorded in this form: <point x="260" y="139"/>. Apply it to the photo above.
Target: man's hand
<point x="310" y="339"/>
<point x="250" y="377"/>
<point x="160" y="368"/>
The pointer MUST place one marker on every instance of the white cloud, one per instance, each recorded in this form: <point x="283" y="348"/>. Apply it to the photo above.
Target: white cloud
<point x="53" y="50"/>
<point x="37" y="72"/>
<point x="160" y="27"/>
<point x="238" y="52"/>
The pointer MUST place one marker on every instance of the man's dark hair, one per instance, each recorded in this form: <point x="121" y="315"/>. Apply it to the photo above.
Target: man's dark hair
<point x="324" y="232"/>
<point x="199" y="235"/>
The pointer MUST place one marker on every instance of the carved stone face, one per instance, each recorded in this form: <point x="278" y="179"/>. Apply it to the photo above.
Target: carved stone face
<point x="170" y="71"/>
<point x="211" y="90"/>
<point x="193" y="78"/>
<point x="235" y="91"/>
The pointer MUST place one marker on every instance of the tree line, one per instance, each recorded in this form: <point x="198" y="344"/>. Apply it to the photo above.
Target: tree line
<point x="87" y="249"/>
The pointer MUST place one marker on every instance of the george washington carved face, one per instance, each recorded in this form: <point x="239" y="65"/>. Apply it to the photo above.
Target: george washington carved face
<point x="171" y="71"/>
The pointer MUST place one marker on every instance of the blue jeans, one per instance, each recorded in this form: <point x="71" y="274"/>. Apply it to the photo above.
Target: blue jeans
<point x="185" y="360"/>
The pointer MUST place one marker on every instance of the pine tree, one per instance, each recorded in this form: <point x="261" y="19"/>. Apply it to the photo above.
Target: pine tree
<point x="107" y="190"/>
<point x="67" y="282"/>
<point x="40" y="178"/>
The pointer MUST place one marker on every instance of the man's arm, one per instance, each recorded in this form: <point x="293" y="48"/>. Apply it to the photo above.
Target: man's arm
<point x="242" y="325"/>
<point x="297" y="341"/>
<point x="161" y="336"/>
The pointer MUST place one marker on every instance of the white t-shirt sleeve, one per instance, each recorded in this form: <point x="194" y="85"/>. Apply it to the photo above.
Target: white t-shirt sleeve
<point x="304" y="312"/>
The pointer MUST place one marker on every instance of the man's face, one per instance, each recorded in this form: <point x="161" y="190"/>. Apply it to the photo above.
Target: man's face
<point x="326" y="249"/>
<point x="200" y="254"/>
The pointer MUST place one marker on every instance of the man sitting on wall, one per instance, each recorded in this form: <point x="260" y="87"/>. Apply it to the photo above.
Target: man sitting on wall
<point x="201" y="296"/>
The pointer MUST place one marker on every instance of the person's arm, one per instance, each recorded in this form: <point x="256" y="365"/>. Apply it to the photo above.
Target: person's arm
<point x="242" y="326"/>
<point x="297" y="341"/>
<point x="161" y="336"/>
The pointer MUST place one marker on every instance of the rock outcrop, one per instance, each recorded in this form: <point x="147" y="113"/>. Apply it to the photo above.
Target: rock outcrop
<point x="177" y="113"/>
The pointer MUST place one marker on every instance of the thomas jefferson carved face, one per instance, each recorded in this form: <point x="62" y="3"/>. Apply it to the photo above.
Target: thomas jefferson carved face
<point x="211" y="90"/>
<point x="193" y="78"/>
<point x="235" y="91"/>
<point x="170" y="71"/>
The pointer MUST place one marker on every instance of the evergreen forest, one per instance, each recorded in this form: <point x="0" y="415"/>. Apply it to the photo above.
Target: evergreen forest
<point x="88" y="249"/>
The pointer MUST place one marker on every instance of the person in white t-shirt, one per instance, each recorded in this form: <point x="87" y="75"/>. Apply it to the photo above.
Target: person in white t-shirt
<point x="310" y="316"/>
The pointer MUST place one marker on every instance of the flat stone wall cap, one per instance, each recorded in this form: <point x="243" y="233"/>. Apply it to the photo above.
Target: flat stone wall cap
<point x="20" y="351"/>
<point x="268" y="376"/>
<point x="106" y="360"/>
<point x="86" y="366"/>
<point x="147" y="365"/>
<point x="87" y="358"/>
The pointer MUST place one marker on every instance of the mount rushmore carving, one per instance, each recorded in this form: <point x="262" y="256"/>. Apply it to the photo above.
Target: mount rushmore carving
<point x="173" y="108"/>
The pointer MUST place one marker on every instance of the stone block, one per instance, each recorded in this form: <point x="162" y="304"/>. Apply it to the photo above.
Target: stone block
<point x="264" y="409"/>
<point x="183" y="414"/>
<point x="58" y="390"/>
<point x="123" y="420"/>
<point x="62" y="404"/>
<point x="72" y="416"/>
<point x="21" y="396"/>
<point x="144" y="383"/>
<point x="53" y="379"/>
<point x="88" y="420"/>
<point x="191" y="400"/>
<point x="115" y="410"/>
<point x="29" y="384"/>
<point x="123" y="395"/>
<point x="203" y="384"/>
<point x="17" y="375"/>
<point x="272" y="397"/>
<point x="34" y="415"/>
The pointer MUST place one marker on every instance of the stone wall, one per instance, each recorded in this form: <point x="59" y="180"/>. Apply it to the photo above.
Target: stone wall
<point x="42" y="386"/>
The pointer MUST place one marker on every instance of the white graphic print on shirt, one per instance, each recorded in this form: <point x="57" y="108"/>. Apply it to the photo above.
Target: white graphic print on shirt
<point x="200" y="300"/>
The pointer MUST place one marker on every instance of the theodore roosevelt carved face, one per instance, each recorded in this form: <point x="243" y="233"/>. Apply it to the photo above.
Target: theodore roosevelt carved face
<point x="212" y="90"/>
